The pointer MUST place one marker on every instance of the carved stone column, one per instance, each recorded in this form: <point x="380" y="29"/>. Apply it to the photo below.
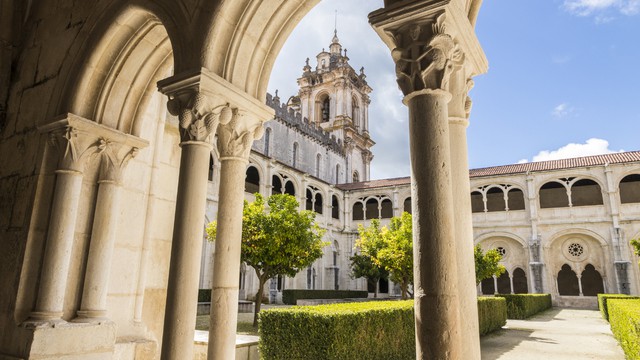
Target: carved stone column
<point x="234" y="146"/>
<point x="114" y="158"/>
<point x="426" y="54"/>
<point x="75" y="140"/>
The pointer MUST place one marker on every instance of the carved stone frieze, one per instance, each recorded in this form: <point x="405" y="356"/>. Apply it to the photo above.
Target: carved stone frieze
<point x="425" y="56"/>
<point x="198" y="118"/>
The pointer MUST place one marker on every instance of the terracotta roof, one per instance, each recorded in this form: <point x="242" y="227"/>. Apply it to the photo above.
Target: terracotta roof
<point x="596" y="160"/>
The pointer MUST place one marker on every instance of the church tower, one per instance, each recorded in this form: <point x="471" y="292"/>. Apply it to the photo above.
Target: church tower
<point x="335" y="97"/>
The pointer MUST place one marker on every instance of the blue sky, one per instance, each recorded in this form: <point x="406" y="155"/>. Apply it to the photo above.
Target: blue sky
<point x="563" y="80"/>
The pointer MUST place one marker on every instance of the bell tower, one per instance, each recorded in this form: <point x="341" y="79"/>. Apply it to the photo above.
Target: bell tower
<point x="335" y="97"/>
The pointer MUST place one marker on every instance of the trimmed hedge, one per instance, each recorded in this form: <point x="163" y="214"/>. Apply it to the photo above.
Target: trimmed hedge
<point x="624" y="318"/>
<point x="492" y="313"/>
<point x="204" y="295"/>
<point x="291" y="296"/>
<point x="603" y="300"/>
<point x="382" y="330"/>
<point x="366" y="330"/>
<point x="522" y="306"/>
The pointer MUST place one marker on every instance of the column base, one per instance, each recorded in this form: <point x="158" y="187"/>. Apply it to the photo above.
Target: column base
<point x="91" y="316"/>
<point x="39" y="319"/>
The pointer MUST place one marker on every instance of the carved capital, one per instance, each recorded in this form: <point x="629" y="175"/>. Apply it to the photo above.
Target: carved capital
<point x="367" y="156"/>
<point x="114" y="158"/>
<point x="236" y="137"/>
<point x="198" y="116"/>
<point x="425" y="56"/>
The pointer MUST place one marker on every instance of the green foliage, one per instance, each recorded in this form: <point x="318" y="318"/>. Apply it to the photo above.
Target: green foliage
<point x="624" y="318"/>
<point x="371" y="330"/>
<point x="363" y="265"/>
<point x="522" y="306"/>
<point x="368" y="330"/>
<point x="204" y="295"/>
<point x="277" y="239"/>
<point x="636" y="246"/>
<point x="487" y="264"/>
<point x="603" y="302"/>
<point x="390" y="248"/>
<point x="492" y="313"/>
<point x="291" y="296"/>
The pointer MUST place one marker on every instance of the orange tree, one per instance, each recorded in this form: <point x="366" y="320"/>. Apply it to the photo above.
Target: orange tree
<point x="277" y="239"/>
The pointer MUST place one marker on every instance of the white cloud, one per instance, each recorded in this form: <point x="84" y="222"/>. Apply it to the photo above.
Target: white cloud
<point x="563" y="110"/>
<point x="589" y="7"/>
<point x="592" y="146"/>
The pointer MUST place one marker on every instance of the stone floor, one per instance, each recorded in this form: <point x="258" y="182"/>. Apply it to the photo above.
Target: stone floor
<point x="556" y="334"/>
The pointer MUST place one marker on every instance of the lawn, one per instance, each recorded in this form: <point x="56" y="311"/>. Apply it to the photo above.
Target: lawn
<point x="244" y="328"/>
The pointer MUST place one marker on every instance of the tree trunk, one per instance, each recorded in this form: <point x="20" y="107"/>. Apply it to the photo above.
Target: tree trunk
<point x="403" y="288"/>
<point x="375" y="291"/>
<point x="256" y="309"/>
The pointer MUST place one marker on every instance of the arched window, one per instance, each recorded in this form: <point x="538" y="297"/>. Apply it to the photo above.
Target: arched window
<point x="495" y="199"/>
<point x="289" y="188"/>
<point x="252" y="180"/>
<point x="553" y="195"/>
<point x="568" y="282"/>
<point x="407" y="205"/>
<point x="630" y="189"/>
<point x="358" y="211"/>
<point x="386" y="209"/>
<point x="335" y="207"/>
<point x="591" y="280"/>
<point x="212" y="166"/>
<point x="318" y="161"/>
<point x="504" y="283"/>
<point x="515" y="199"/>
<point x="317" y="204"/>
<point x="267" y="141"/>
<point x="276" y="185"/>
<point x="586" y="192"/>
<point x="356" y="176"/>
<point x="309" y="204"/>
<point x="372" y="211"/>
<point x="477" y="204"/>
<point x="520" y="285"/>
<point x="294" y="155"/>
<point x="326" y="109"/>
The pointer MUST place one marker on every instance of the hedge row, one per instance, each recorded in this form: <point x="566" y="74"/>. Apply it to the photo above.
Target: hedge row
<point x="624" y="318"/>
<point x="204" y="295"/>
<point x="492" y="313"/>
<point x="291" y="296"/>
<point x="603" y="301"/>
<point x="366" y="330"/>
<point x="382" y="330"/>
<point x="522" y="306"/>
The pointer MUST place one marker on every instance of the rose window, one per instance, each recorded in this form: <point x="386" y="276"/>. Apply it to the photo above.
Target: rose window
<point x="502" y="251"/>
<point x="576" y="250"/>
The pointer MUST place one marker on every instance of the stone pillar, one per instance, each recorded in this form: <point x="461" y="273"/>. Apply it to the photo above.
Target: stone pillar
<point x="426" y="55"/>
<point x="234" y="146"/>
<point x="75" y="140"/>
<point x="114" y="158"/>
<point x="511" y="283"/>
<point x="580" y="284"/>
<point x="495" y="284"/>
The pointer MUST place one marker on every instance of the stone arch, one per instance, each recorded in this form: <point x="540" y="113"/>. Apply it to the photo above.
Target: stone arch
<point x="495" y="198"/>
<point x="356" y="176"/>
<point x="520" y="285"/>
<point x="335" y="207"/>
<point x="567" y="281"/>
<point x="592" y="282"/>
<point x="372" y="205"/>
<point x="322" y="107"/>
<point x="406" y="206"/>
<point x="477" y="201"/>
<point x="553" y="194"/>
<point x="629" y="187"/>
<point x="386" y="208"/>
<point x="515" y="256"/>
<point x="515" y="199"/>
<point x="585" y="192"/>
<point x="252" y="180"/>
<point x="358" y="211"/>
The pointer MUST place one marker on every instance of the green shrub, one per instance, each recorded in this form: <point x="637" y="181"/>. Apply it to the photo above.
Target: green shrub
<point x="204" y="295"/>
<point x="492" y="313"/>
<point x="291" y="296"/>
<point x="522" y="306"/>
<point x="603" y="300"/>
<point x="367" y="330"/>
<point x="624" y="318"/>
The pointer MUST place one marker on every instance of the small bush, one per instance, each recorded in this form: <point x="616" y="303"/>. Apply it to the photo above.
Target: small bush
<point x="368" y="330"/>
<point x="382" y="330"/>
<point x="291" y="296"/>
<point x="624" y="318"/>
<point x="603" y="300"/>
<point x="522" y="306"/>
<point x="204" y="295"/>
<point x="492" y="313"/>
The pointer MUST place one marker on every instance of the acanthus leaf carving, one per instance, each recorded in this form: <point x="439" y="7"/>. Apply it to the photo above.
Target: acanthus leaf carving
<point x="425" y="56"/>
<point x="114" y="159"/>
<point x="198" y="119"/>
<point x="74" y="147"/>
<point x="235" y="137"/>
